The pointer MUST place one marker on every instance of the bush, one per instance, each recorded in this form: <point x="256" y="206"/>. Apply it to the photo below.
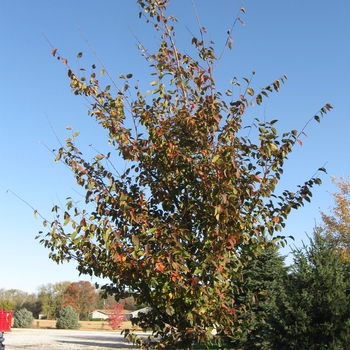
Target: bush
<point x="68" y="319"/>
<point x="22" y="318"/>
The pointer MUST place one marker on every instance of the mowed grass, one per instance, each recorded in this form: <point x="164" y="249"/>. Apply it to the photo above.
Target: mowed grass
<point x="85" y="325"/>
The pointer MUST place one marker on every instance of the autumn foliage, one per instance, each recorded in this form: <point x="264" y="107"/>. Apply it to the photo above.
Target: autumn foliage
<point x="197" y="198"/>
<point x="82" y="297"/>
<point x="336" y="224"/>
<point x="115" y="315"/>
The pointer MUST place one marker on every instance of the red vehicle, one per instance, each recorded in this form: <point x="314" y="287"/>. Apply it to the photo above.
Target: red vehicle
<point x="5" y="325"/>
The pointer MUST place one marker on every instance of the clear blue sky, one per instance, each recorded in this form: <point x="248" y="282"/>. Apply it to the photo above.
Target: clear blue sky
<point x="307" y="40"/>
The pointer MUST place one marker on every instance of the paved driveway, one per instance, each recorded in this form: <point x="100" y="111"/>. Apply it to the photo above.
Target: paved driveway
<point x="57" y="339"/>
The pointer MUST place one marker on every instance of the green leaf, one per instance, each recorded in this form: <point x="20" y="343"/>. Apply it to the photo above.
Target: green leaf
<point x="215" y="158"/>
<point x="129" y="76"/>
<point x="258" y="99"/>
<point x="155" y="82"/>
<point x="80" y="54"/>
<point x="250" y="91"/>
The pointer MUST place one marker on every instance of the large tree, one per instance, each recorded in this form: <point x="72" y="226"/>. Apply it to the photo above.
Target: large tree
<point x="51" y="297"/>
<point x="336" y="224"/>
<point x="196" y="199"/>
<point x="82" y="296"/>
<point x="12" y="299"/>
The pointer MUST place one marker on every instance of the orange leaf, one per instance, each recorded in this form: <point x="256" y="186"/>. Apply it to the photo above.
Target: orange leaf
<point x="64" y="61"/>
<point x="160" y="267"/>
<point x="299" y="141"/>
<point x="276" y="219"/>
<point x="53" y="52"/>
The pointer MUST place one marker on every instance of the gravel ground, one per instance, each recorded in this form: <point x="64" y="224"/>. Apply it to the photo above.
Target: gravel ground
<point x="54" y="339"/>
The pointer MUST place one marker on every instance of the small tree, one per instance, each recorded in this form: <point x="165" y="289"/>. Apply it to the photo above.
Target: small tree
<point x="22" y="318"/>
<point x="115" y="316"/>
<point x="194" y="187"/>
<point x="68" y="319"/>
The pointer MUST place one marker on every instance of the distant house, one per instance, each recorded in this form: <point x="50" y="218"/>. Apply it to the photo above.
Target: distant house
<point x="135" y="313"/>
<point x="103" y="314"/>
<point x="100" y="314"/>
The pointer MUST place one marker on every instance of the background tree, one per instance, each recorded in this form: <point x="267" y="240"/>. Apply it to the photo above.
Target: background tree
<point x="12" y="299"/>
<point x="33" y="305"/>
<point x="22" y="318"/>
<point x="194" y="187"/>
<point x="68" y="318"/>
<point x="45" y="296"/>
<point x="82" y="297"/>
<point x="315" y="312"/>
<point x="51" y="297"/>
<point x="336" y="225"/>
<point x="6" y="303"/>
<point x="103" y="301"/>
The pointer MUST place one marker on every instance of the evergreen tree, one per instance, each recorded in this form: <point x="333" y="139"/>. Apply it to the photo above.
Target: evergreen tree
<point x="68" y="319"/>
<point x="262" y="285"/>
<point x="22" y="318"/>
<point x="315" y="314"/>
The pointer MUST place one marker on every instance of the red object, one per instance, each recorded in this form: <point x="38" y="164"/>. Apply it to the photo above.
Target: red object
<point x="115" y="315"/>
<point x="5" y="321"/>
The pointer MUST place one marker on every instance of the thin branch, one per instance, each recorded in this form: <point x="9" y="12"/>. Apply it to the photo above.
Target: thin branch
<point x="198" y="21"/>
<point x="25" y="202"/>
<point x="96" y="55"/>
<point x="228" y="37"/>
<point x="53" y="130"/>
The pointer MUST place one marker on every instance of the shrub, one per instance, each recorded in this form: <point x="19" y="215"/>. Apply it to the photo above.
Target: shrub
<point x="22" y="318"/>
<point x="68" y="319"/>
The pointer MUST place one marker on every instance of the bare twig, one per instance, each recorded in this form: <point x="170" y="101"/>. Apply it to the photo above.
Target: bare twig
<point x="25" y="202"/>
<point x="228" y="37"/>
<point x="99" y="59"/>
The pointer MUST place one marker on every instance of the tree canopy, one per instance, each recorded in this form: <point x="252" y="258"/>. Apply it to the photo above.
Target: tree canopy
<point x="336" y="224"/>
<point x="82" y="296"/>
<point x="195" y="187"/>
